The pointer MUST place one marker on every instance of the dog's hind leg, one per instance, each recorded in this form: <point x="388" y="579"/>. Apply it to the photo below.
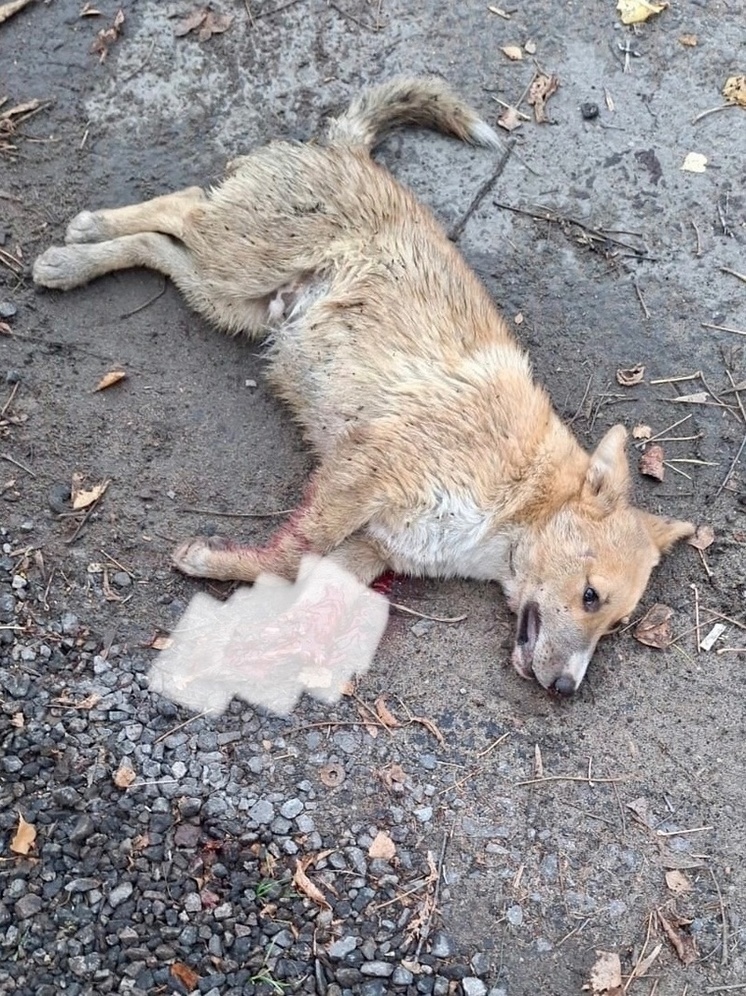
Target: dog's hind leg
<point x="165" y="214"/>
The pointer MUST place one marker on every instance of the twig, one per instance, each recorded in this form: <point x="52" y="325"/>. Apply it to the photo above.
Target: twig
<point x="143" y="64"/>
<point x="425" y="927"/>
<point x="732" y="467"/>
<point x="698" y="251"/>
<point x="667" y="463"/>
<point x="8" y="403"/>
<point x="582" y="400"/>
<point x="723" y="918"/>
<point x="703" y="114"/>
<point x="509" y="107"/>
<point x="572" y="778"/>
<point x="424" y="615"/>
<point x="142" y="307"/>
<point x="736" y="390"/>
<point x="640" y="299"/>
<point x="733" y="273"/>
<point x="680" y="833"/>
<point x="17" y="463"/>
<point x="13" y="264"/>
<point x="350" y="17"/>
<point x="676" y="380"/>
<point x="234" y="515"/>
<point x="696" y="617"/>
<point x="561" y="220"/>
<point x="117" y="564"/>
<point x="731" y="650"/>
<point x="722" y="328"/>
<point x="455" y="233"/>
<point x="200" y="715"/>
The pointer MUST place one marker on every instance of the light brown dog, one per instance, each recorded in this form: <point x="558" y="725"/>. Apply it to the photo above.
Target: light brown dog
<point x="438" y="454"/>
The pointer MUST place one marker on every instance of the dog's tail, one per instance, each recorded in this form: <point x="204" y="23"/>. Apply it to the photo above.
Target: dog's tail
<point x="408" y="101"/>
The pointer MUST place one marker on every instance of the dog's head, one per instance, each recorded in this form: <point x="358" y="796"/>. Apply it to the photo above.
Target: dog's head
<point x="583" y="571"/>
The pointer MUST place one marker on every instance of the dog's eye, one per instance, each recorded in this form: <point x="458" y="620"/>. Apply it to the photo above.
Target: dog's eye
<point x="591" y="601"/>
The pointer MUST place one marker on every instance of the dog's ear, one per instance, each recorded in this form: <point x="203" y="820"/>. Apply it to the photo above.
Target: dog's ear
<point x="607" y="477"/>
<point x="664" y="532"/>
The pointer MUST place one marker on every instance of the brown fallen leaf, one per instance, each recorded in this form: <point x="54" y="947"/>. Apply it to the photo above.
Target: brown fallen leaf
<point x="9" y="9"/>
<point x="382" y="846"/>
<point x="82" y="498"/>
<point x="185" y="975"/>
<point x="734" y="90"/>
<point x="651" y="462"/>
<point x="688" y="40"/>
<point x="703" y="537"/>
<point x="539" y="93"/>
<point x="683" y="943"/>
<point x="606" y="974"/>
<point x="5" y="329"/>
<point x="161" y="640"/>
<point x="631" y="375"/>
<point x="431" y="727"/>
<point x="654" y="629"/>
<point x="332" y="775"/>
<point x="18" y="720"/>
<point x="510" y="119"/>
<point x="24" y="837"/>
<point x="677" y="882"/>
<point x="641" y="809"/>
<point x="394" y="777"/>
<point x="637" y="11"/>
<point x="366" y="719"/>
<point x="107" y="36"/>
<point x="385" y="715"/>
<point x="109" y="379"/>
<point x="642" y="432"/>
<point x="303" y="884"/>
<point x="644" y="964"/>
<point x="513" y="52"/>
<point x="699" y="398"/>
<point x="124" y="776"/>
<point x="209" y="23"/>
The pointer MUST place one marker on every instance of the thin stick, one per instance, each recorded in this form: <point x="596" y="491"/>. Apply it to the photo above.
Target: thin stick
<point x="200" y="715"/>
<point x="117" y="564"/>
<point x="143" y="64"/>
<point x="722" y="328"/>
<point x="424" y="615"/>
<point x="731" y="650"/>
<point x="142" y="307"/>
<point x="696" y="617"/>
<point x="704" y="562"/>
<point x="582" y="400"/>
<point x="732" y="467"/>
<point x="8" y="403"/>
<point x="737" y="394"/>
<point x="509" y="107"/>
<point x="733" y="273"/>
<point x="677" y="379"/>
<point x="572" y="778"/>
<point x="234" y="515"/>
<point x="698" y="251"/>
<point x="455" y="234"/>
<point x="17" y="463"/>
<point x="724" y="919"/>
<point x="680" y="833"/>
<point x="719" y="615"/>
<point x="676" y="470"/>
<point x="640" y="299"/>
<point x="704" y="114"/>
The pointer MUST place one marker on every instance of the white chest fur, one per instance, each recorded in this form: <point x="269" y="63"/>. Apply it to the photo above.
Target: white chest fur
<point x="453" y="537"/>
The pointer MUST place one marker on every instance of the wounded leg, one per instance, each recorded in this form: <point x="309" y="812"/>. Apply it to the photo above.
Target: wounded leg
<point x="165" y="214"/>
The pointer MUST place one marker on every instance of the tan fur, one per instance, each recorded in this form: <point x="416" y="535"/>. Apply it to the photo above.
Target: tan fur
<point x="438" y="454"/>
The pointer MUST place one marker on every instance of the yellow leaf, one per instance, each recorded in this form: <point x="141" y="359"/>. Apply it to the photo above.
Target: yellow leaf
<point x="112" y="377"/>
<point x="513" y="52"/>
<point x="24" y="837"/>
<point x="734" y="90"/>
<point x="637" y="11"/>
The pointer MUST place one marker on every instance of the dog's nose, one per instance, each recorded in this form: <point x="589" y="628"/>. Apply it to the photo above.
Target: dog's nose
<point x="564" y="685"/>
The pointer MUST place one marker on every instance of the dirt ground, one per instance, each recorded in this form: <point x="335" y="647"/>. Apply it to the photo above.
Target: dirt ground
<point x="542" y="859"/>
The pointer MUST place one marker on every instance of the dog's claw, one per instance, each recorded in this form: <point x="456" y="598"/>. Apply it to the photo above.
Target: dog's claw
<point x="195" y="557"/>
<point x="85" y="227"/>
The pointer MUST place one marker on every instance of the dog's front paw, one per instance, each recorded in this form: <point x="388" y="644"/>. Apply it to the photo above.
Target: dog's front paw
<point x="86" y="227"/>
<point x="58" y="268"/>
<point x="197" y="556"/>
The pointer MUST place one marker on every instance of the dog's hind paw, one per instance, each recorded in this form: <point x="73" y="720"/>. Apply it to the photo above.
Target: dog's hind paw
<point x="86" y="227"/>
<point x="197" y="556"/>
<point x="59" y="268"/>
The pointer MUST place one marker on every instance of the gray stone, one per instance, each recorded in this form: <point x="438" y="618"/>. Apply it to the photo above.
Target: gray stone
<point x="70" y="623"/>
<point x="223" y="912"/>
<point x="401" y="976"/>
<point x="291" y="809"/>
<point x="120" y="894"/>
<point x="424" y="814"/>
<point x="339" y="949"/>
<point x="305" y="823"/>
<point x="380" y="969"/>
<point x="28" y="906"/>
<point x="474" y="986"/>
<point x="262" y="812"/>
<point x="84" y="964"/>
<point x="515" y="916"/>
<point x="480" y="963"/>
<point x="443" y="945"/>
<point x="7" y="607"/>
<point x="7" y="309"/>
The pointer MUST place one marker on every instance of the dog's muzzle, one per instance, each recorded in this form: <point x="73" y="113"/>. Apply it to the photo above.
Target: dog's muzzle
<point x="529" y="626"/>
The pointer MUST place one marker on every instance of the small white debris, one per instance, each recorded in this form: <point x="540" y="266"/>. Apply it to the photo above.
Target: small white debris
<point x="709" y="641"/>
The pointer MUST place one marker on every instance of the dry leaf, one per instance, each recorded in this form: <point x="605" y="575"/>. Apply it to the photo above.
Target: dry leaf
<point x="734" y="90"/>
<point x="642" y="966"/>
<point x="683" y="942"/>
<point x="107" y="36"/>
<point x="651" y="462"/>
<point x="703" y="537"/>
<point x="630" y="376"/>
<point x="709" y="641"/>
<point x="519" y="318"/>
<point x="539" y="93"/>
<point x="606" y="974"/>
<point x="112" y="377"/>
<point x="637" y="11"/>
<point x="642" y="432"/>
<point x="510" y="119"/>
<point x="688" y="40"/>
<point x="89" y="11"/>
<point x="371" y="728"/>
<point x="700" y="398"/>
<point x="641" y="808"/>
<point x="385" y="715"/>
<point x="5" y="329"/>
<point x="654" y="629"/>
<point x="694" y="162"/>
<point x="431" y="726"/>
<point x="332" y="775"/>
<point x="24" y="837"/>
<point x="161" y="640"/>
<point x="9" y="9"/>
<point x="81" y="498"/>
<point x="18" y="720"/>
<point x="513" y="52"/>
<point x="124" y="776"/>
<point x="678" y="882"/>
<point x="382" y="847"/>
<point x="185" y="975"/>
<point x="303" y="884"/>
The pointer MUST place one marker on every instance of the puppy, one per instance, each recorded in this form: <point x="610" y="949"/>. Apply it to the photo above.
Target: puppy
<point x="437" y="453"/>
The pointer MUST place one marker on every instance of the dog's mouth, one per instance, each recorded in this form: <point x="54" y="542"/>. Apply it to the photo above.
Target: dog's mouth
<point x="529" y="624"/>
